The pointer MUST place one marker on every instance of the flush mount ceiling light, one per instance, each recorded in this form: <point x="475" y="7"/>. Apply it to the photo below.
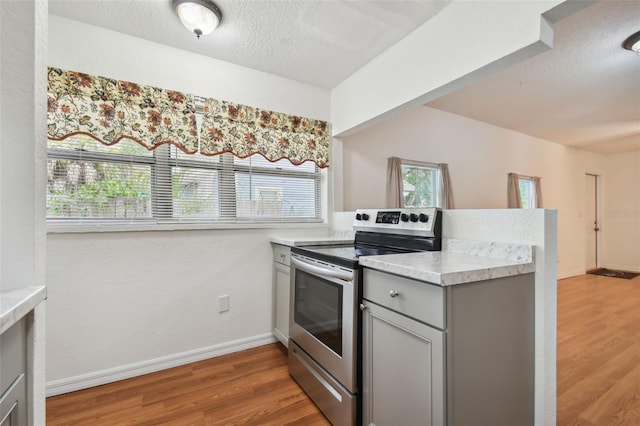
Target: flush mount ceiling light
<point x="200" y="17"/>
<point x="633" y="43"/>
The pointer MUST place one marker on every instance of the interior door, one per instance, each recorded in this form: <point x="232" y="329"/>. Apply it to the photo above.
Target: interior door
<point x="591" y="222"/>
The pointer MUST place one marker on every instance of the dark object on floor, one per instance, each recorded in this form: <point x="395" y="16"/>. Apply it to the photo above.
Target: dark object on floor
<point x="614" y="274"/>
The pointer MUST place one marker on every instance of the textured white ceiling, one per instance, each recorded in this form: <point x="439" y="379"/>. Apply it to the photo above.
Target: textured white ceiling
<point x="320" y="42"/>
<point x="585" y="92"/>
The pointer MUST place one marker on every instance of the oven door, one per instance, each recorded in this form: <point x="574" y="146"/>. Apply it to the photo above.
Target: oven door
<point x="323" y="315"/>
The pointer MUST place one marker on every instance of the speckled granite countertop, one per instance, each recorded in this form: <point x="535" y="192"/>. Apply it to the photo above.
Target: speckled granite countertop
<point x="460" y="262"/>
<point x="16" y="303"/>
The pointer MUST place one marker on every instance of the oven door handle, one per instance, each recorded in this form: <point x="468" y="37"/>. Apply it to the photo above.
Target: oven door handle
<point x="323" y="272"/>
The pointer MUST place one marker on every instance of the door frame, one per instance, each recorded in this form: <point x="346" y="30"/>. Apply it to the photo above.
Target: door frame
<point x="598" y="218"/>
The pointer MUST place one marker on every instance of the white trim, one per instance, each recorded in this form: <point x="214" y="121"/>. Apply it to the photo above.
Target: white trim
<point x="615" y="268"/>
<point x="571" y="274"/>
<point x="281" y="337"/>
<point x="634" y="269"/>
<point x="84" y="381"/>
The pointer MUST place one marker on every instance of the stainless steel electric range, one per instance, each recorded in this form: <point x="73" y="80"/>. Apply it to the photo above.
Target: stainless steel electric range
<point x="326" y="291"/>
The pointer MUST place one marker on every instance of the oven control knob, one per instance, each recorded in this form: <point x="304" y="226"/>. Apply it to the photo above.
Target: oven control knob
<point x="365" y="216"/>
<point x="423" y="217"/>
<point x="404" y="217"/>
<point x="358" y="216"/>
<point x="413" y="217"/>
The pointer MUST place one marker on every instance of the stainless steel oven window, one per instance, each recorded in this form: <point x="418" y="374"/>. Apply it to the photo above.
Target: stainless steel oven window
<point x="318" y="308"/>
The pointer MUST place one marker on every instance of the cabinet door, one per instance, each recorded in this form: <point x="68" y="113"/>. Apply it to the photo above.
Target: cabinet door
<point x="281" y="284"/>
<point x="403" y="370"/>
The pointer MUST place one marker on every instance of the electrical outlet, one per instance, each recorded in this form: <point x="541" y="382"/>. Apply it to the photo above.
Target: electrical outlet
<point x="223" y="303"/>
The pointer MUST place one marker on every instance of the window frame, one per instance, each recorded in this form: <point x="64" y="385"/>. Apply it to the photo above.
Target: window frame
<point x="436" y="186"/>
<point x="532" y="192"/>
<point x="161" y="164"/>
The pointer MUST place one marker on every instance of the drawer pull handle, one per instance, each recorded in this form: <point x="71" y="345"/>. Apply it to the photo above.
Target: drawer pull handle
<point x="282" y="256"/>
<point x="363" y="307"/>
<point x="393" y="293"/>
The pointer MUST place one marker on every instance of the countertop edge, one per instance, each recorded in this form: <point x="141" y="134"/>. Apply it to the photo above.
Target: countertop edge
<point x="445" y="279"/>
<point x="16" y="303"/>
<point x="487" y="274"/>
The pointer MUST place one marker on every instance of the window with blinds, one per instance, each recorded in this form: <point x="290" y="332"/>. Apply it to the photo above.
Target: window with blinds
<point x="89" y="181"/>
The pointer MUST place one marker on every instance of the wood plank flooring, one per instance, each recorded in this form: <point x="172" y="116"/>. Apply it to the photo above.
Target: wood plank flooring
<point x="249" y="387"/>
<point x="598" y="375"/>
<point x="598" y="358"/>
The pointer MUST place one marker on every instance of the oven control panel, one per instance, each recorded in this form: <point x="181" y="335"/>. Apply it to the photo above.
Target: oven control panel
<point x="410" y="221"/>
<point x="388" y="217"/>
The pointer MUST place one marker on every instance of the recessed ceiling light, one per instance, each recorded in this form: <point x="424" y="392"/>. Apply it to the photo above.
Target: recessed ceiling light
<point x="200" y="17"/>
<point x="633" y="43"/>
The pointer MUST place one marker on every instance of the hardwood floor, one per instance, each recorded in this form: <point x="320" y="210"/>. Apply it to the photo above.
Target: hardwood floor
<point x="249" y="387"/>
<point x="598" y="375"/>
<point x="598" y="359"/>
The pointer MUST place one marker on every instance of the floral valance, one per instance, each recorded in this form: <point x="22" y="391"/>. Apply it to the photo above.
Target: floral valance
<point x="110" y="110"/>
<point x="244" y="131"/>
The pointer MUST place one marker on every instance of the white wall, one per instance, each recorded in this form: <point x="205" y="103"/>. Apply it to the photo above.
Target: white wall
<point x="125" y="303"/>
<point x="621" y="221"/>
<point x="132" y="300"/>
<point x="479" y="156"/>
<point x="22" y="143"/>
<point x="23" y="51"/>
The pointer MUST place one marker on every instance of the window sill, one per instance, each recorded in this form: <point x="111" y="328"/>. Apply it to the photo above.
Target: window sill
<point x="86" y="228"/>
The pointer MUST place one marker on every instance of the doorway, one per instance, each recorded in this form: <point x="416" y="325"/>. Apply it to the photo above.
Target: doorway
<point x="592" y="222"/>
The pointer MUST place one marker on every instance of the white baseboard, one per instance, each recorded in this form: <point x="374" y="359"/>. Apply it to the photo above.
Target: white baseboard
<point x="280" y="336"/>
<point x="613" y="267"/>
<point x="570" y="274"/>
<point x="635" y="269"/>
<point x="84" y="381"/>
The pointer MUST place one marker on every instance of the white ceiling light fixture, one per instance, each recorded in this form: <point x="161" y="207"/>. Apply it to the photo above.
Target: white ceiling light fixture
<point x="200" y="17"/>
<point x="633" y="43"/>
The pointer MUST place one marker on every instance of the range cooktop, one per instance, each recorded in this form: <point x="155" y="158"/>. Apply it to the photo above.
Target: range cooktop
<point x="384" y="231"/>
<point x="345" y="255"/>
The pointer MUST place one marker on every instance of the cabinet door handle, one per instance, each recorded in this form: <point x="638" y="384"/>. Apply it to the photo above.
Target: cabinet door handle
<point x="394" y="293"/>
<point x="363" y="307"/>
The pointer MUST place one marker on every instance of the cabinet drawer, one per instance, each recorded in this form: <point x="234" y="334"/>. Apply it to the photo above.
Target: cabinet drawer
<point x="281" y="254"/>
<point x="416" y="299"/>
<point x="13" y="353"/>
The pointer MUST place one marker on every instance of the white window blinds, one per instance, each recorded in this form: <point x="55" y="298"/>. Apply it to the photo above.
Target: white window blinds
<point x="125" y="181"/>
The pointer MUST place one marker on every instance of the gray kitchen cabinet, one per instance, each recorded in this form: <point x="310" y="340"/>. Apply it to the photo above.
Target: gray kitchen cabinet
<point x="403" y="365"/>
<point x="453" y="355"/>
<point x="13" y="388"/>
<point x="281" y="292"/>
